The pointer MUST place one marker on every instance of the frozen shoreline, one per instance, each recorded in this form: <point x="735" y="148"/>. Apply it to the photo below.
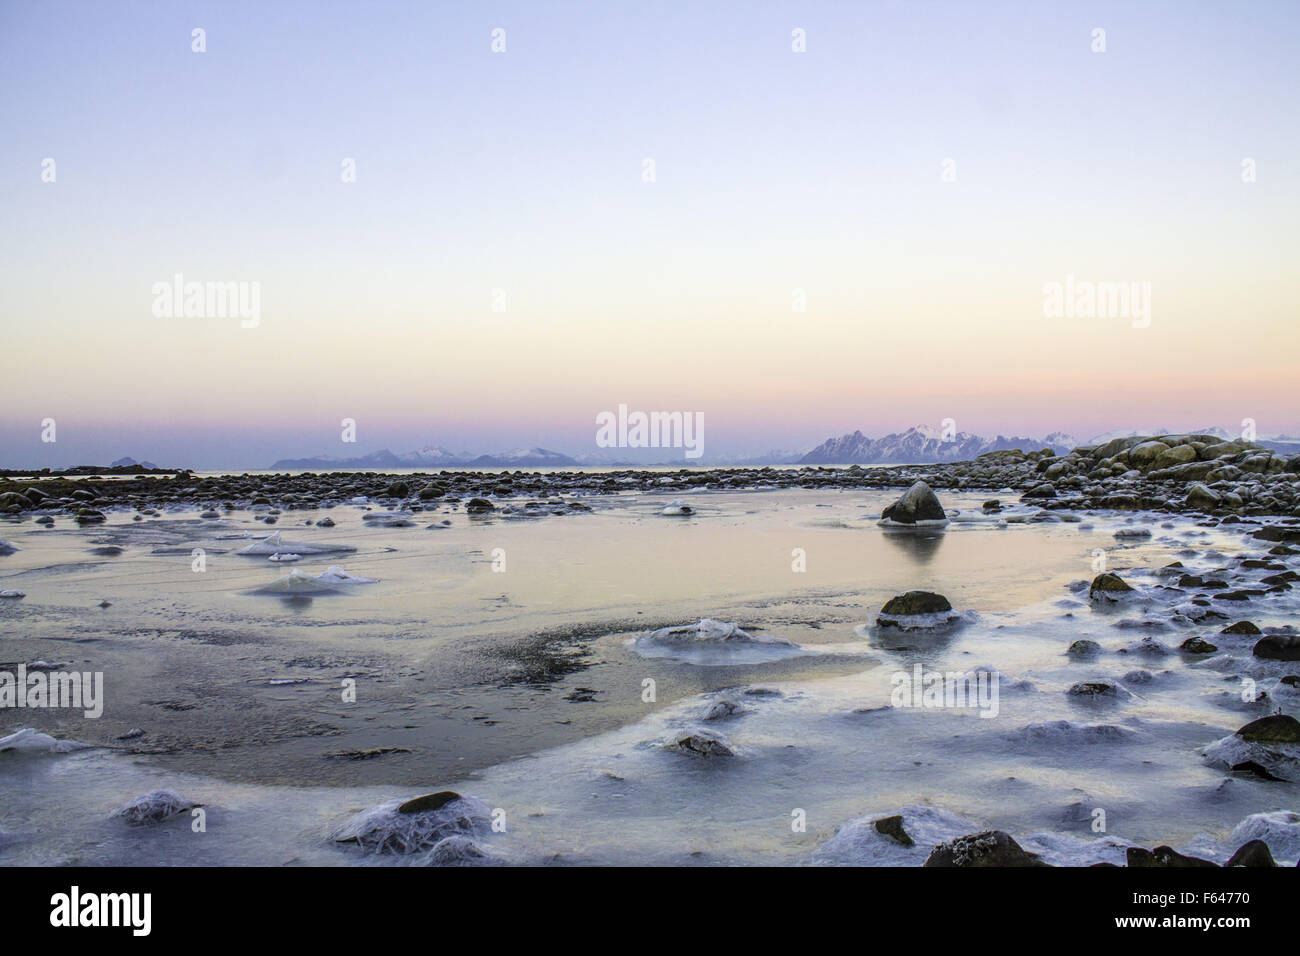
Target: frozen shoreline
<point x="616" y="786"/>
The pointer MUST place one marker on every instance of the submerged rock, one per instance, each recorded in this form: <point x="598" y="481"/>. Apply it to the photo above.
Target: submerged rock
<point x="990" y="848"/>
<point x="919" y="506"/>
<point x="677" y="508"/>
<point x="477" y="506"/>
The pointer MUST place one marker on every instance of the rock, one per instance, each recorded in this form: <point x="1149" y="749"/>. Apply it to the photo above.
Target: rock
<point x="1143" y="456"/>
<point x="155" y="807"/>
<point x="916" y="602"/>
<point x="990" y="848"/>
<point x="430" y="801"/>
<point x="1254" y="853"/>
<point x="326" y="522"/>
<point x="1273" y="729"/>
<point x="479" y="506"/>
<point x="1163" y="856"/>
<point x="1195" y="645"/>
<point x="1044" y="490"/>
<point x="1107" y="586"/>
<point x="1241" y="627"/>
<point x="398" y="489"/>
<point x="892" y="827"/>
<point x="1177" y="455"/>
<point x="1084" y="648"/>
<point x="917" y="504"/>
<point x="1094" y="688"/>
<point x="1202" y="498"/>
<point x="1278" y="647"/>
<point x="702" y="744"/>
<point x="1255" y="768"/>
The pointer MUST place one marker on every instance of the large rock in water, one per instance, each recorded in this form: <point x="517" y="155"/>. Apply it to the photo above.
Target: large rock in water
<point x="918" y="504"/>
<point x="990" y="848"/>
<point x="1278" y="647"/>
<point x="916" y="602"/>
<point x="1275" y="728"/>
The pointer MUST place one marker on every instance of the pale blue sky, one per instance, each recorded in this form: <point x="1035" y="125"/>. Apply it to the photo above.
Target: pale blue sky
<point x="522" y="171"/>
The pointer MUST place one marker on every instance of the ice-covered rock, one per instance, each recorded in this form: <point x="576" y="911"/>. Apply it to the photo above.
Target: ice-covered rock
<point x="1279" y="829"/>
<point x="8" y="547"/>
<point x="403" y="827"/>
<point x="336" y="575"/>
<point x="700" y="743"/>
<point x="711" y="642"/>
<point x="916" y="610"/>
<point x="155" y="807"/>
<point x="297" y="582"/>
<point x="678" y="508"/>
<point x="28" y="739"/>
<point x="274" y="544"/>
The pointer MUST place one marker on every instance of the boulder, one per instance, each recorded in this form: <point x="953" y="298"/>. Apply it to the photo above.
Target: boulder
<point x="1202" y="498"/>
<point x="1163" y="856"/>
<point x="1143" y="457"/>
<point x="1254" y="853"/>
<point x="1273" y="729"/>
<point x="1278" y="647"/>
<point x="916" y="602"/>
<point x="1108" y="585"/>
<point x="990" y="848"/>
<point x="919" y="503"/>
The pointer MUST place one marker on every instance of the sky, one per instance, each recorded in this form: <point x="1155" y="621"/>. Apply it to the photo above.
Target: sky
<point x="663" y="205"/>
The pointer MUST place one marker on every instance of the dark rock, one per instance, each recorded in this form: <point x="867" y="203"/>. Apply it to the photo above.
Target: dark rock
<point x="1254" y="853"/>
<point x="916" y="602"/>
<point x="480" y="506"/>
<point x="430" y="801"/>
<point x="1273" y="729"/>
<point x="892" y="827"/>
<point x="1107" y="585"/>
<point x="1195" y="645"/>
<point x="990" y="848"/>
<point x="1278" y="647"/>
<point x="1258" y="769"/>
<point x="1241" y="627"/>
<point x="1164" y="856"/>
<point x="918" y="503"/>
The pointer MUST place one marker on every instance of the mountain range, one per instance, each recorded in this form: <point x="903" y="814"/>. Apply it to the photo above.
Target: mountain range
<point x="431" y="457"/>
<point x="923" y="444"/>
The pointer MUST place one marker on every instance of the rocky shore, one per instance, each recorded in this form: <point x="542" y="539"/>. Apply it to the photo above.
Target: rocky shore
<point x="1170" y="473"/>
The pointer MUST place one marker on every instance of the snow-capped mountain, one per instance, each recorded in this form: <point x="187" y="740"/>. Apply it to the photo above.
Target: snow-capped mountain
<point x="431" y="457"/>
<point x="923" y="444"/>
